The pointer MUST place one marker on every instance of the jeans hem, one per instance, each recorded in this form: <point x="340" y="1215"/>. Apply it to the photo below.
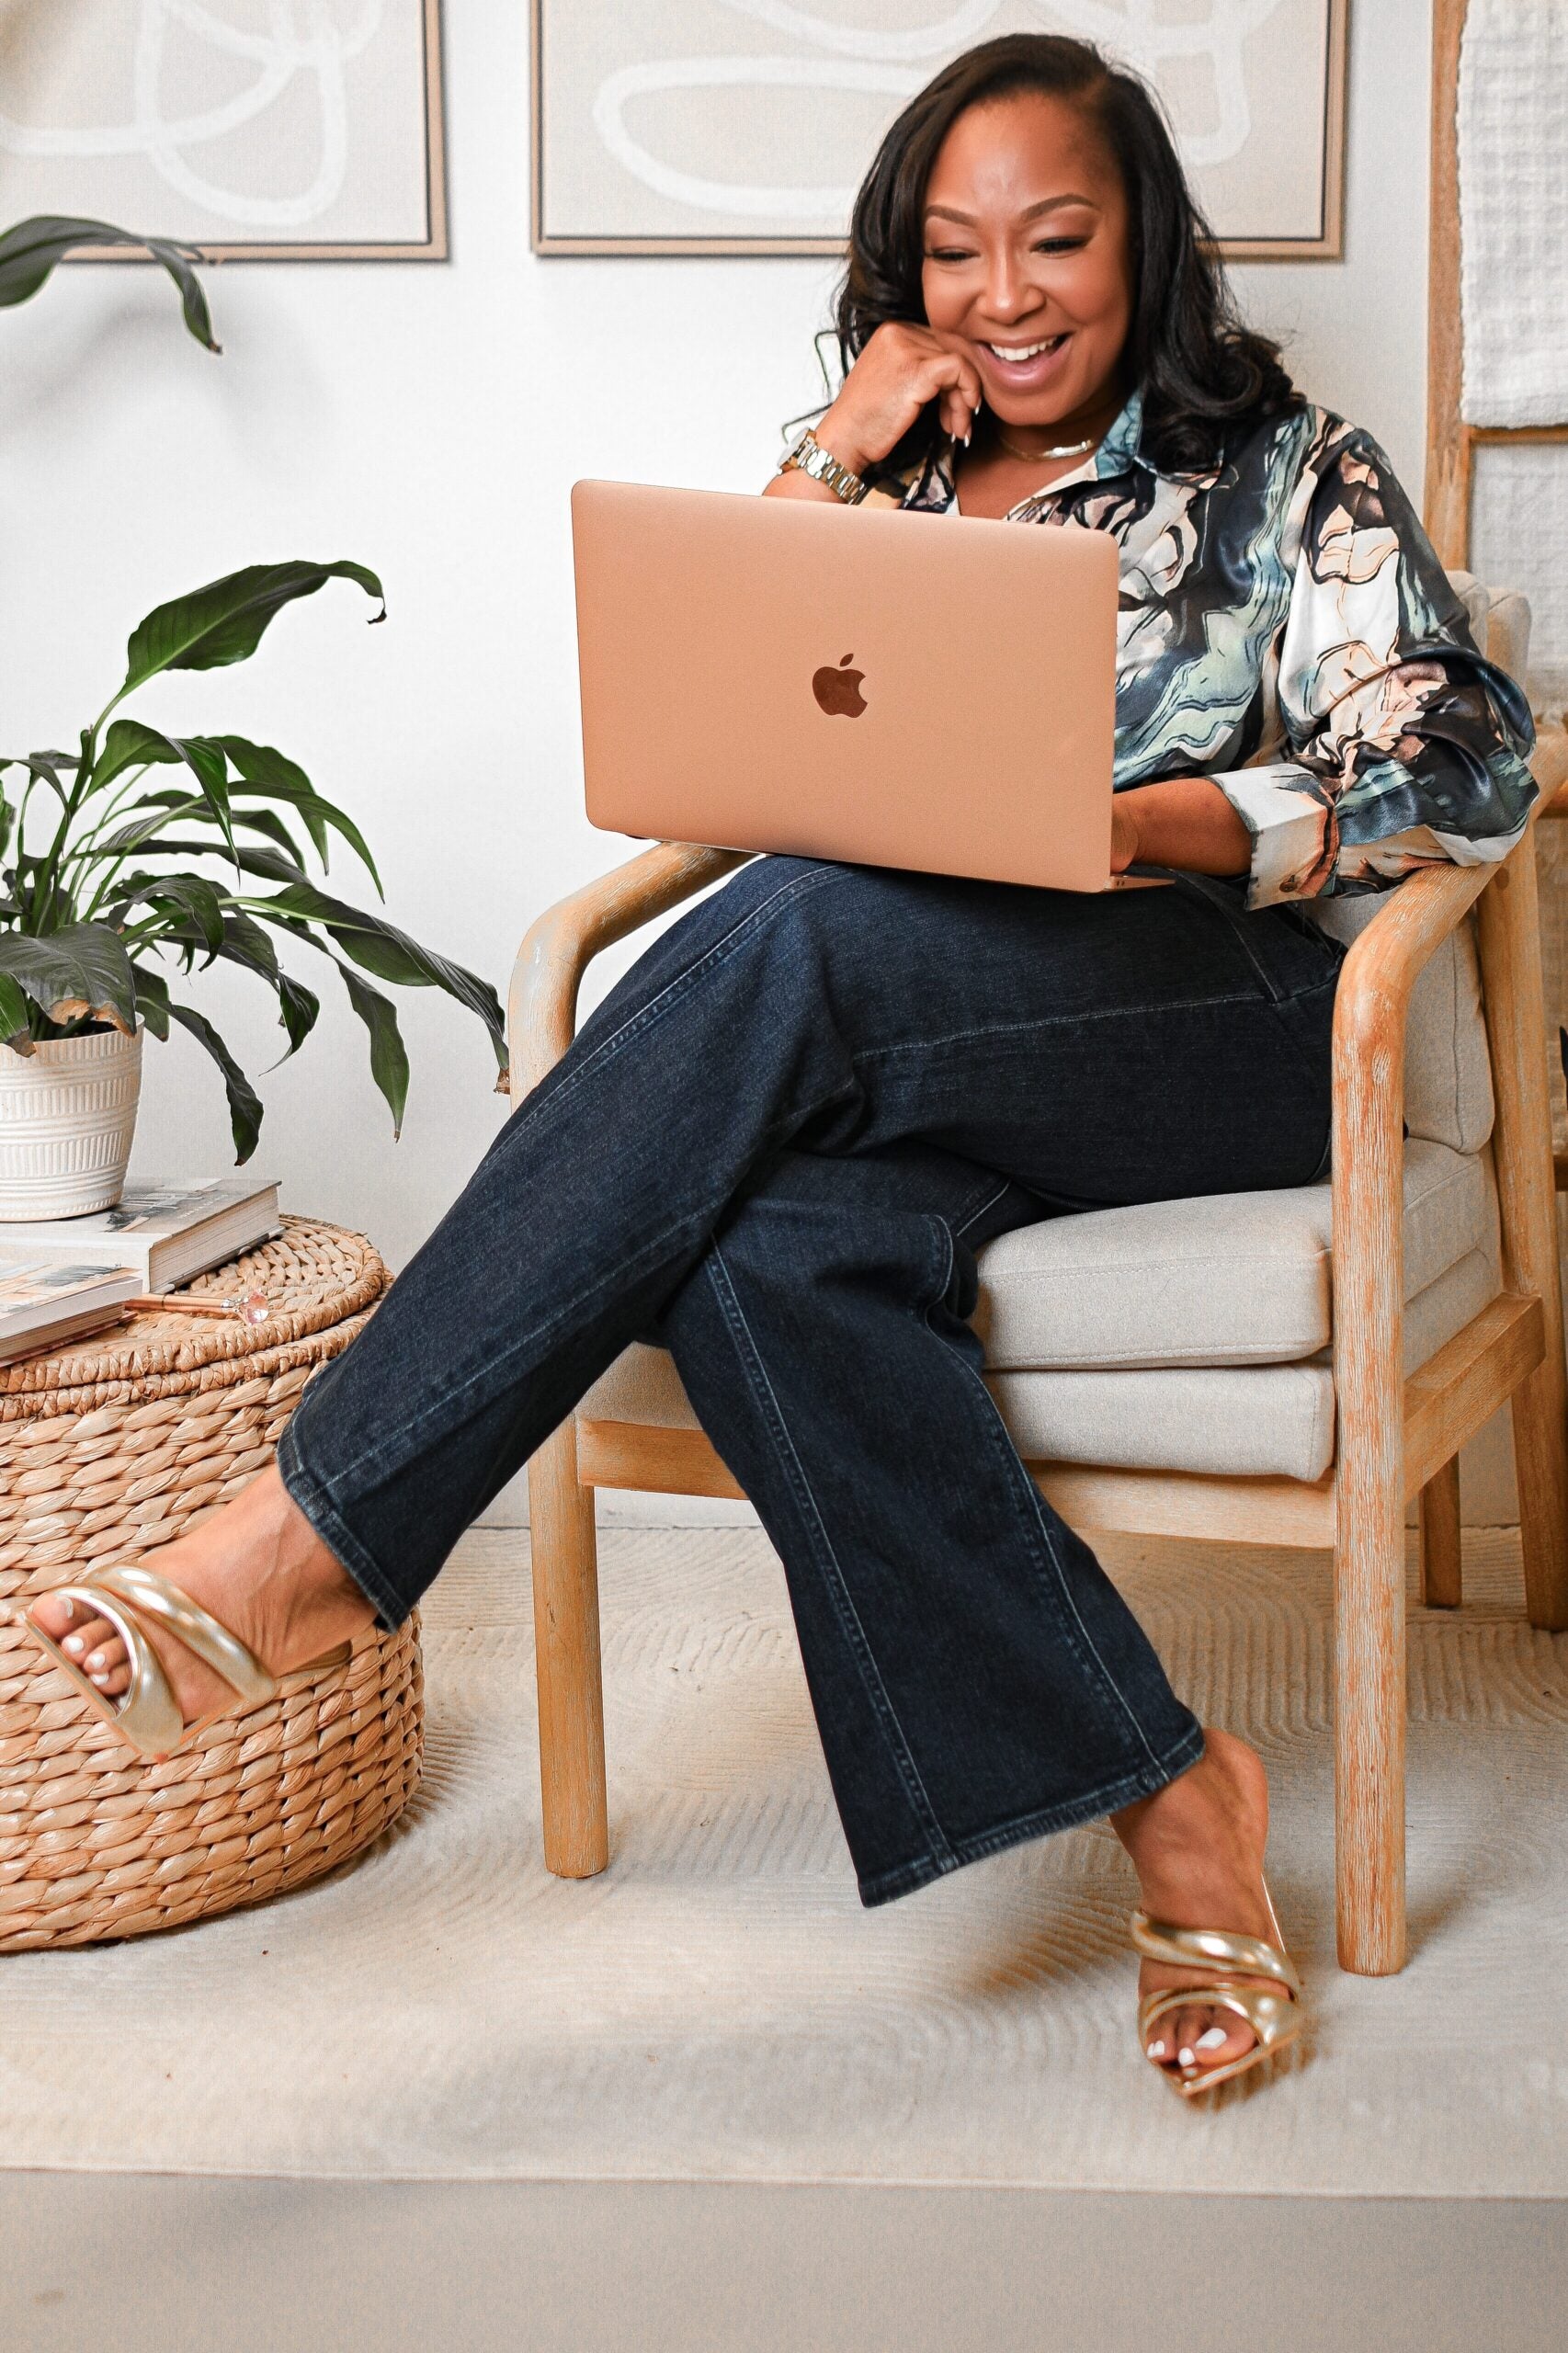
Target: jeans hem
<point x="308" y="1492"/>
<point x="904" y="1879"/>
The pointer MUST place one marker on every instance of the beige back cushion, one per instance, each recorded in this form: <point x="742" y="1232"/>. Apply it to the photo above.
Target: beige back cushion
<point x="1448" y="1073"/>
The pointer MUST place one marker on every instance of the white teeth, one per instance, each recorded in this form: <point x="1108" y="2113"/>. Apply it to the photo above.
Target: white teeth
<point x="1018" y="352"/>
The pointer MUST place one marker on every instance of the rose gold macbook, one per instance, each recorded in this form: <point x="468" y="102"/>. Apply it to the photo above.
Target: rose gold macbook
<point x="770" y="674"/>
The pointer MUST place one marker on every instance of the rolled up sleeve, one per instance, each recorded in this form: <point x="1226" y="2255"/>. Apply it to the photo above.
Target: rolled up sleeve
<point x="1406" y="746"/>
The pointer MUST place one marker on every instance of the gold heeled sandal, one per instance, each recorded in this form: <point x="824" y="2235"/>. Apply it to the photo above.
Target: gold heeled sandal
<point x="147" y="1716"/>
<point x="1275" y="2018"/>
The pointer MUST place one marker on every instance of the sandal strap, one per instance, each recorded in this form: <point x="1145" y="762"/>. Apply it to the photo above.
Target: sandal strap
<point x="149" y="1715"/>
<point x="1190" y="1948"/>
<point x="143" y="1589"/>
<point x="1274" y="2019"/>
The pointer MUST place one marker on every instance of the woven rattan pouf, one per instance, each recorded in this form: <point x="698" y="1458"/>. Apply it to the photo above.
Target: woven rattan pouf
<point x="108" y="1450"/>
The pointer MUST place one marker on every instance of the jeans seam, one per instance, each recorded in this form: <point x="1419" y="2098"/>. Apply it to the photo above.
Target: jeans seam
<point x="1059" y="1021"/>
<point x="1035" y="1520"/>
<point x="1106" y="1797"/>
<point x="754" y="1373"/>
<point x="961" y="1229"/>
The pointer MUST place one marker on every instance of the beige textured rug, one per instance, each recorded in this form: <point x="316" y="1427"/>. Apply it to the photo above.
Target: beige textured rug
<point x="717" y="2005"/>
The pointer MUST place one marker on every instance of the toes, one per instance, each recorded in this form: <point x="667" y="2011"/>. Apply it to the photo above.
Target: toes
<point x="92" y="1644"/>
<point x="1220" y="2036"/>
<point x="56" y="1615"/>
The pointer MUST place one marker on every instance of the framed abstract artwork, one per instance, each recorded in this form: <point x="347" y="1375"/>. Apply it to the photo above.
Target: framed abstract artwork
<point x="743" y="126"/>
<point x="253" y="130"/>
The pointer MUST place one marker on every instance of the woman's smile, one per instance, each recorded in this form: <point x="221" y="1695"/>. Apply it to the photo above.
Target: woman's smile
<point x="1016" y="367"/>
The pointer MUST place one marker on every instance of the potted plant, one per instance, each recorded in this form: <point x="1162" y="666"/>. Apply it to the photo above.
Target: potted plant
<point x="145" y="853"/>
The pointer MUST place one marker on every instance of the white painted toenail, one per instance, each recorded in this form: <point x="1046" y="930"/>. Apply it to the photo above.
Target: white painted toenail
<point x="96" y="1658"/>
<point x="1187" y="2058"/>
<point x="73" y="1643"/>
<point x="70" y="1609"/>
<point x="1212" y="2039"/>
<point x="1157" y="2050"/>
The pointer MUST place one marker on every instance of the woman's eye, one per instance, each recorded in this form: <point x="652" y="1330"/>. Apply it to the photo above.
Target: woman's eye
<point x="1061" y="245"/>
<point x="949" y="253"/>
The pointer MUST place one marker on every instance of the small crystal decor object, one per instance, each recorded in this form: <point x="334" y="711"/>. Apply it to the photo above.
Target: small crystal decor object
<point x="253" y="1307"/>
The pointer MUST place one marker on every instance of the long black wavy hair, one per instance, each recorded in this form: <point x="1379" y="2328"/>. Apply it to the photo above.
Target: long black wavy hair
<point x="1202" y="371"/>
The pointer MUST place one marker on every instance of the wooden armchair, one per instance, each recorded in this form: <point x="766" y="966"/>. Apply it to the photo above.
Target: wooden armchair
<point x="1399" y="1406"/>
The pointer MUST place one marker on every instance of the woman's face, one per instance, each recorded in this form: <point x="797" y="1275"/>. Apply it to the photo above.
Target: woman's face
<point x="1028" y="258"/>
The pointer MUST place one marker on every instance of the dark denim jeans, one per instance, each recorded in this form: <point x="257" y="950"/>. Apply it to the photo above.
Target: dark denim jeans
<point x="775" y="1147"/>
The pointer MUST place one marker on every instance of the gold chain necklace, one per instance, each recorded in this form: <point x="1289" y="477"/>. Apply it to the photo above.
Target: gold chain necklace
<point x="1039" y="456"/>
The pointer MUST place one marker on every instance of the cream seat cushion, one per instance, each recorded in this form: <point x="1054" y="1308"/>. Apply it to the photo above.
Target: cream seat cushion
<point x="1233" y="1279"/>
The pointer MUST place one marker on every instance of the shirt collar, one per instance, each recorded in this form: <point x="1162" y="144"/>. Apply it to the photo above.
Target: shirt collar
<point x="1119" y="452"/>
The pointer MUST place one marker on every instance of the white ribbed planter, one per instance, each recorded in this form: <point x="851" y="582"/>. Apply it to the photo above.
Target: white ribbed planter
<point x="67" y="1115"/>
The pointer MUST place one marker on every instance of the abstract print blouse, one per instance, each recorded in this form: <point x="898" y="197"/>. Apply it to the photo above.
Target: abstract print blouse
<point x="1286" y="630"/>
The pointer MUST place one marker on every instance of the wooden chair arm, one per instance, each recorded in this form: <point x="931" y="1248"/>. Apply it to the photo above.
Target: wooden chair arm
<point x="1370" y="1010"/>
<point x="542" y="1001"/>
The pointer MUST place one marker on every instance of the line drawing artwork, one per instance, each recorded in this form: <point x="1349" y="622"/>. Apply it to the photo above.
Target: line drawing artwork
<point x="857" y="57"/>
<point x="302" y="45"/>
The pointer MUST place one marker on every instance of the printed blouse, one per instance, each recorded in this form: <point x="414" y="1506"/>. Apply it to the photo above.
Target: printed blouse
<point x="1285" y="628"/>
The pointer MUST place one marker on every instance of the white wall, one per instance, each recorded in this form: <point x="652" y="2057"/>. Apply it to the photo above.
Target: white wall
<point x="428" y="420"/>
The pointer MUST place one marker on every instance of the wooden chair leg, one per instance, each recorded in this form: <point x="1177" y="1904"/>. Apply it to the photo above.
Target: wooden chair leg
<point x="1441" y="1583"/>
<point x="1369" y="1740"/>
<point x="1508" y="936"/>
<point x="571" y="1684"/>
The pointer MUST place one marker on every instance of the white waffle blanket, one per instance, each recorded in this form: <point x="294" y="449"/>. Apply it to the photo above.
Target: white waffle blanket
<point x="1513" y="160"/>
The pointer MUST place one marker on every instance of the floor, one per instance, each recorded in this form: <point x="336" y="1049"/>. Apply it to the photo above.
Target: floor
<point x="709" y="2091"/>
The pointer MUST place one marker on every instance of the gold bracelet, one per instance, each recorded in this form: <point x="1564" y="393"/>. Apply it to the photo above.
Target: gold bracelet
<point x="809" y="457"/>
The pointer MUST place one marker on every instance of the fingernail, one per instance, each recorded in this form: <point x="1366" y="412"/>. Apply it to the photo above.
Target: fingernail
<point x="1157" y="2050"/>
<point x="1211" y="2039"/>
<point x="1187" y="2058"/>
<point x="73" y="1643"/>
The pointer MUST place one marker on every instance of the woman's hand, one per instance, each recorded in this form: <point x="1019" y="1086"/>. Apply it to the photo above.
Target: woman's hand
<point x="901" y="370"/>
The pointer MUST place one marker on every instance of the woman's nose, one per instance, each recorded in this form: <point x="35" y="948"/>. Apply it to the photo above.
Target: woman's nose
<point x="1009" y="294"/>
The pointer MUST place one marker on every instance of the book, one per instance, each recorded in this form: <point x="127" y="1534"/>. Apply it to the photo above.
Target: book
<point x="167" y="1231"/>
<point x="46" y="1300"/>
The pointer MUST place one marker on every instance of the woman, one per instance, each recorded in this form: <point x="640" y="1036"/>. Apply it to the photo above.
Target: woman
<point x="778" y="1143"/>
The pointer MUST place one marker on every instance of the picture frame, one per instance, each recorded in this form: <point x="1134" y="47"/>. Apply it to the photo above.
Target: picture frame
<point x="433" y="245"/>
<point x="1321" y="239"/>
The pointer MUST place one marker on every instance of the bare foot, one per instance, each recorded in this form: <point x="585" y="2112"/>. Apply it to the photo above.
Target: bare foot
<point x="1196" y="1845"/>
<point x="261" y="1570"/>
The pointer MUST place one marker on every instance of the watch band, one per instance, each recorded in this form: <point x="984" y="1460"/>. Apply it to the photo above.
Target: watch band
<point x="810" y="458"/>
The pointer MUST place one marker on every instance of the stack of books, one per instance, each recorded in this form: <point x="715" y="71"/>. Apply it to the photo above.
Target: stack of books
<point x="62" y="1277"/>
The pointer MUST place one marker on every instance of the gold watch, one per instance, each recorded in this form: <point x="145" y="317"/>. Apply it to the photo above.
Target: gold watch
<point x="809" y="456"/>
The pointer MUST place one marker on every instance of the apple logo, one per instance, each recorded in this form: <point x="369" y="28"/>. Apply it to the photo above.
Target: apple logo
<point x="838" y="691"/>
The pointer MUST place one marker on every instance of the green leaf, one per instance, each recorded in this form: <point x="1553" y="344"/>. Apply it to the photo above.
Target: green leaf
<point x="186" y="905"/>
<point x="128" y="744"/>
<point x="152" y="999"/>
<point x="224" y="621"/>
<point x="29" y="252"/>
<point x="245" y="1103"/>
<point x="245" y="943"/>
<point x="14" y="1015"/>
<point x="381" y="948"/>
<point x="266" y="770"/>
<point x="82" y="973"/>
<point x="389" y="1056"/>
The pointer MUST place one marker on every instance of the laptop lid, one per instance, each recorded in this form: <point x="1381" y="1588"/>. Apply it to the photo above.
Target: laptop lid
<point x="771" y="674"/>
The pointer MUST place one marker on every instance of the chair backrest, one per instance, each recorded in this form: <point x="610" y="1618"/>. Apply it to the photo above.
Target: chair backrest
<point x="1448" y="1071"/>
